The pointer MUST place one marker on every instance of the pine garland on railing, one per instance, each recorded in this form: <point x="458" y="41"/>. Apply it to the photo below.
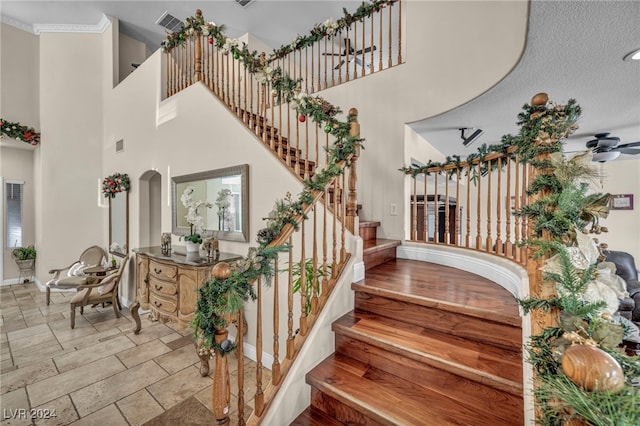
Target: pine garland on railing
<point x="18" y="131"/>
<point x="218" y="298"/>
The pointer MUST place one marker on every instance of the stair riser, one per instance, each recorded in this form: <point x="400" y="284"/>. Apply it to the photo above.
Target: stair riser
<point x="454" y="323"/>
<point x="369" y="233"/>
<point x="378" y="257"/>
<point x="339" y="411"/>
<point x="467" y="388"/>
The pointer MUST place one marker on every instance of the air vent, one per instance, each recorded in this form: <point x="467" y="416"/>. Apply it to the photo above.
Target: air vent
<point x="243" y="3"/>
<point x="120" y="145"/>
<point x="170" y="22"/>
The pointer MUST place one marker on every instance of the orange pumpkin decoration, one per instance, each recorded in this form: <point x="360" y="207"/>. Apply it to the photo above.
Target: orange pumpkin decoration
<point x="592" y="368"/>
<point x="540" y="99"/>
<point x="221" y="271"/>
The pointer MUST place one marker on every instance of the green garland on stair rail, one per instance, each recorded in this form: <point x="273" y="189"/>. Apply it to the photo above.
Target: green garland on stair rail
<point x="220" y="298"/>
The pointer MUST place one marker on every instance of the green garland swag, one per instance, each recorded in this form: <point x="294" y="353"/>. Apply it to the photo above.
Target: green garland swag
<point x="219" y="298"/>
<point x="20" y="132"/>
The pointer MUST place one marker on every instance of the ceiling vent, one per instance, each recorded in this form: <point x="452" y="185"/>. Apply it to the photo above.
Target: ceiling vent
<point x="243" y="3"/>
<point x="170" y="22"/>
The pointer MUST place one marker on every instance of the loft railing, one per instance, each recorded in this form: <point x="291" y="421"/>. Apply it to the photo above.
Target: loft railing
<point x="354" y="46"/>
<point x="471" y="205"/>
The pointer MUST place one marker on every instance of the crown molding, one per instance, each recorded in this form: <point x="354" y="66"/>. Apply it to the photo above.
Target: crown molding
<point x="17" y="24"/>
<point x="100" y="27"/>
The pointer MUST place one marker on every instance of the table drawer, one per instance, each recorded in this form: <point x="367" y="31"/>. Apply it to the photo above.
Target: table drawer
<point x="162" y="271"/>
<point x="162" y="287"/>
<point x="163" y="305"/>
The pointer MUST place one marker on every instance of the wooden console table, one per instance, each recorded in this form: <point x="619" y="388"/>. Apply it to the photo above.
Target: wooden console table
<point x="168" y="286"/>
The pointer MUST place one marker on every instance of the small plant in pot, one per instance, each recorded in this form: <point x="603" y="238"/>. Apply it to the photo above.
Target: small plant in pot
<point x="310" y="279"/>
<point x="25" y="257"/>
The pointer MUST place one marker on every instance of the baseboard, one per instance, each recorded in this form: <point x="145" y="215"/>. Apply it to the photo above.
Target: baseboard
<point x="13" y="281"/>
<point x="358" y="272"/>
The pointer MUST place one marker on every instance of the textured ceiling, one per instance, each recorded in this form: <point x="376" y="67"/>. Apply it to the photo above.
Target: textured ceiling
<point x="574" y="50"/>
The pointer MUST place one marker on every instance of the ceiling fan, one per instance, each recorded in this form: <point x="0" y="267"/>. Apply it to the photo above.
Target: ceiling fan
<point x="352" y="53"/>
<point x="606" y="148"/>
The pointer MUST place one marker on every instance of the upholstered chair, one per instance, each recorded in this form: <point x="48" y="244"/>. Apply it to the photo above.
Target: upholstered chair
<point x="101" y="292"/>
<point x="626" y="269"/>
<point x="71" y="276"/>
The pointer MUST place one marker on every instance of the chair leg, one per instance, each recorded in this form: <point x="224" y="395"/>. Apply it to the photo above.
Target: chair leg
<point x="116" y="310"/>
<point x="73" y="316"/>
<point x="48" y="295"/>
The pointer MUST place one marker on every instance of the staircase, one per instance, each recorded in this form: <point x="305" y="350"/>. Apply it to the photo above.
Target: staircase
<point x="376" y="251"/>
<point x="425" y="345"/>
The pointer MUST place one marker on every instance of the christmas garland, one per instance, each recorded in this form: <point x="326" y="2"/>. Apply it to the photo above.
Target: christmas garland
<point x="20" y="132"/>
<point x="111" y="185"/>
<point x="218" y="298"/>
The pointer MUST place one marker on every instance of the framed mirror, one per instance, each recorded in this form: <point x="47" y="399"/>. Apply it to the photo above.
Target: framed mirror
<point x="119" y="224"/>
<point x="227" y="190"/>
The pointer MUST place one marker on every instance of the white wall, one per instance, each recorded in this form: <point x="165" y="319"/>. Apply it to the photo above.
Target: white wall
<point x="19" y="102"/>
<point x="130" y="51"/>
<point x="442" y="40"/>
<point x="623" y="177"/>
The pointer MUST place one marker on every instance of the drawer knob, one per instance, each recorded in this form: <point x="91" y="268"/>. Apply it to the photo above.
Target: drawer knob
<point x="155" y="302"/>
<point x="158" y="287"/>
<point x="157" y="271"/>
<point x="146" y="280"/>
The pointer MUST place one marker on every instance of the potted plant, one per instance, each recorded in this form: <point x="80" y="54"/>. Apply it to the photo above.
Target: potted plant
<point x="310" y="278"/>
<point x="25" y="258"/>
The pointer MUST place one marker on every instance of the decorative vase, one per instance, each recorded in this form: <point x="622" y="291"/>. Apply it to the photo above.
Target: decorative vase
<point x="192" y="247"/>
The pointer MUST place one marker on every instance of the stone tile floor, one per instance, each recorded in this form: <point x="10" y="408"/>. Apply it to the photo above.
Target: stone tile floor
<point x="100" y="373"/>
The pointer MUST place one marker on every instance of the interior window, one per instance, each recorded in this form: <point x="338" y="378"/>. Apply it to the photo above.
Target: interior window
<point x="13" y="201"/>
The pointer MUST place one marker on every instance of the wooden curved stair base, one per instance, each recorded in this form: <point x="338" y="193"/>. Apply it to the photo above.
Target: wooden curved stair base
<point x="425" y="345"/>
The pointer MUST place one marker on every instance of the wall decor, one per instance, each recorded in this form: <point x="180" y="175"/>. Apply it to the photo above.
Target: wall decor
<point x="227" y="190"/>
<point x="621" y="202"/>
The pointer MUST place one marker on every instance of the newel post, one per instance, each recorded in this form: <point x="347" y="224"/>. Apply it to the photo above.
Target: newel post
<point x="221" y="393"/>
<point x="537" y="287"/>
<point x="198" y="50"/>
<point x="352" y="201"/>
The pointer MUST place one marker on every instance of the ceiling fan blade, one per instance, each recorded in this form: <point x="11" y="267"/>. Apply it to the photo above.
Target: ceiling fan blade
<point x="629" y="145"/>
<point x="333" y="54"/>
<point x="339" y="65"/>
<point x="629" y="151"/>
<point x="367" y="49"/>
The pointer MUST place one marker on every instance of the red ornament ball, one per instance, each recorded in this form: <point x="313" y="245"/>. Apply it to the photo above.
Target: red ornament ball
<point x="210" y="40"/>
<point x="302" y="118"/>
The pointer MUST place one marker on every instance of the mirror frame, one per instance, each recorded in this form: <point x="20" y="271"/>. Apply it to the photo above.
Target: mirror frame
<point x="126" y="219"/>
<point x="243" y="171"/>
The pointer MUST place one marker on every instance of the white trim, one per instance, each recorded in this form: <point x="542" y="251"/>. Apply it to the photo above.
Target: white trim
<point x="358" y="271"/>
<point x="17" y="24"/>
<point x="100" y="27"/>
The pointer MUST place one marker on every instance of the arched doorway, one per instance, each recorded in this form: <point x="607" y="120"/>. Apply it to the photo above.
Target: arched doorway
<point x="150" y="208"/>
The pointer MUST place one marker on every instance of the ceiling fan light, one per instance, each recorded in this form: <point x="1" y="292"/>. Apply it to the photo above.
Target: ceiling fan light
<point x="605" y="156"/>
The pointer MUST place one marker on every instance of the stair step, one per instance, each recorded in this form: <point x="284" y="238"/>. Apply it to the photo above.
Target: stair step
<point x="442" y="362"/>
<point x="356" y="393"/>
<point x="368" y="230"/>
<point x="424" y="294"/>
<point x="314" y="417"/>
<point x="378" y="251"/>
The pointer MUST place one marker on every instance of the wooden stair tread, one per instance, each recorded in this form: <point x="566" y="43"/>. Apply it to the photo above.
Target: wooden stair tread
<point x="452" y="289"/>
<point x="369" y="224"/>
<point x="387" y="399"/>
<point x="484" y="363"/>
<point x="379" y="244"/>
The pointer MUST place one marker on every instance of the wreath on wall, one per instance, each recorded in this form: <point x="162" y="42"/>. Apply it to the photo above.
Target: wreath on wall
<point x="20" y="132"/>
<point x="118" y="182"/>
